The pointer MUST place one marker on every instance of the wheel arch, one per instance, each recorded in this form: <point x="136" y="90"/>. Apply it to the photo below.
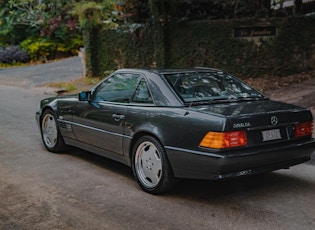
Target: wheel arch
<point x="44" y="109"/>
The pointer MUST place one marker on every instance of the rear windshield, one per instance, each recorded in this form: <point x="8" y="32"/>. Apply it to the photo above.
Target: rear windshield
<point x="210" y="86"/>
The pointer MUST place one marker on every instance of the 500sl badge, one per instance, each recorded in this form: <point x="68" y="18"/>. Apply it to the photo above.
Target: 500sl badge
<point x="242" y="125"/>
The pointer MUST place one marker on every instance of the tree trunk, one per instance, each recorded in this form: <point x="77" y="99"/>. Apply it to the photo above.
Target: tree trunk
<point x="298" y="6"/>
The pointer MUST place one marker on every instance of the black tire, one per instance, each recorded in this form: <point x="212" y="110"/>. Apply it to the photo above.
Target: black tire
<point x="151" y="167"/>
<point x="50" y="132"/>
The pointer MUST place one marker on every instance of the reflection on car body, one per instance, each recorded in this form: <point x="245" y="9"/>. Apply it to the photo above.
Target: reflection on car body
<point x="197" y="123"/>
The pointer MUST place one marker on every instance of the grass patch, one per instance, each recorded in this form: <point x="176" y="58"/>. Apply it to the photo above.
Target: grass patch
<point x="75" y="86"/>
<point x="15" y="64"/>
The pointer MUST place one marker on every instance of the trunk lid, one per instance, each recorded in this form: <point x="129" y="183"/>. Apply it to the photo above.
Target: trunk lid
<point x="265" y="121"/>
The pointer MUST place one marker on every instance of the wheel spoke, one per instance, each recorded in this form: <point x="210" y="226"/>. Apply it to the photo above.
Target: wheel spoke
<point x="156" y="166"/>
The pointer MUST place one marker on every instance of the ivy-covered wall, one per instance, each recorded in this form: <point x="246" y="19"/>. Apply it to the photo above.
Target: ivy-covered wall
<point x="209" y="44"/>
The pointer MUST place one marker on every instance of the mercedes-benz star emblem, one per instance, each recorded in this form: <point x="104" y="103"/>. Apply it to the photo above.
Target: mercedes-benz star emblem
<point x="274" y="120"/>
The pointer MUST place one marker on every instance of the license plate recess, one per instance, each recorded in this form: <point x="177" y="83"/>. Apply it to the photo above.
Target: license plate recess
<point x="270" y="135"/>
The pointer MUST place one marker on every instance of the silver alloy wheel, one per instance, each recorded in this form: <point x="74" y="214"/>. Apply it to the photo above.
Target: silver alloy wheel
<point x="49" y="130"/>
<point x="148" y="164"/>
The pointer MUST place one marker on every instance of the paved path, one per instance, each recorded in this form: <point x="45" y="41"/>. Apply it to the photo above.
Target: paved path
<point x="36" y="75"/>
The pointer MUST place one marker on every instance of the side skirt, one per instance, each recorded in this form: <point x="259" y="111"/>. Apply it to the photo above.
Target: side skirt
<point x="113" y="156"/>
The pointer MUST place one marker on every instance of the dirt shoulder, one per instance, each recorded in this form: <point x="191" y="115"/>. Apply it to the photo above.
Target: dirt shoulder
<point x="297" y="89"/>
<point x="270" y="84"/>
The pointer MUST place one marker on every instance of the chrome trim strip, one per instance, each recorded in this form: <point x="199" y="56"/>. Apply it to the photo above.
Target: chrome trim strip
<point x="95" y="129"/>
<point x="272" y="126"/>
<point x="194" y="152"/>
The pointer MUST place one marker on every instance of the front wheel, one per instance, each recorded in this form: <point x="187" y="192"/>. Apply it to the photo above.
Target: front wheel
<point x="151" y="167"/>
<point x="51" y="135"/>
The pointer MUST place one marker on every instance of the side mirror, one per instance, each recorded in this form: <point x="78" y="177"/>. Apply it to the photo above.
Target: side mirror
<point x="85" y="96"/>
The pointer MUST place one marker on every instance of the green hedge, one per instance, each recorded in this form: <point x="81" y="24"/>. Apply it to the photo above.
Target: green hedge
<point x="46" y="49"/>
<point x="205" y="43"/>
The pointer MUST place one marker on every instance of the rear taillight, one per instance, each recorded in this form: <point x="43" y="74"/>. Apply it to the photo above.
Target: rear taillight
<point x="303" y="129"/>
<point x="221" y="140"/>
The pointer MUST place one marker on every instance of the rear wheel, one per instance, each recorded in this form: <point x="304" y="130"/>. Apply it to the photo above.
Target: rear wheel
<point x="51" y="135"/>
<point x="151" y="167"/>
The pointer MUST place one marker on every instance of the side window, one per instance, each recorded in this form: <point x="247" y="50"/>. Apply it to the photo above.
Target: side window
<point x="142" y="94"/>
<point x="117" y="88"/>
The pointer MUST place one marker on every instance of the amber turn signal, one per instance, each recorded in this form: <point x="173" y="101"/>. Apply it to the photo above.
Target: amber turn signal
<point x="221" y="140"/>
<point x="304" y="129"/>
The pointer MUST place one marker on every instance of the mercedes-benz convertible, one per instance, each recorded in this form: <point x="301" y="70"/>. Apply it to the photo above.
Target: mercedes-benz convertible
<point x="198" y="123"/>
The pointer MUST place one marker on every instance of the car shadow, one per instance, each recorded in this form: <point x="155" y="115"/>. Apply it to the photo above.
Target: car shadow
<point x="206" y="190"/>
<point x="101" y="162"/>
<point x="274" y="183"/>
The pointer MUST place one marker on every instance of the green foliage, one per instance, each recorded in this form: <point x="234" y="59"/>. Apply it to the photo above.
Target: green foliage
<point x="27" y="12"/>
<point x="208" y="43"/>
<point x="53" y="29"/>
<point x="120" y="48"/>
<point x="6" y="26"/>
<point x="132" y="11"/>
<point x="45" y="49"/>
<point x="94" y="14"/>
<point x="38" y="49"/>
<point x="162" y="7"/>
<point x="294" y="46"/>
<point x="92" y="17"/>
<point x="142" y="10"/>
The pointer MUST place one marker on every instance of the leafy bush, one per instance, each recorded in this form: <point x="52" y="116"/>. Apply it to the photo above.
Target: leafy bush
<point x="45" y="49"/>
<point x="38" y="49"/>
<point x="13" y="54"/>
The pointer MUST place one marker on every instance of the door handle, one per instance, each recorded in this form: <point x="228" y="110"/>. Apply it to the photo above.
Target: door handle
<point x="118" y="117"/>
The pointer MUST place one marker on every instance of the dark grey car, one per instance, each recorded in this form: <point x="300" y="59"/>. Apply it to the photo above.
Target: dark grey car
<point x="182" y="123"/>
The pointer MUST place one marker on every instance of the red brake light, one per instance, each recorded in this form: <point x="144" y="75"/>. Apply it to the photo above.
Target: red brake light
<point x="221" y="140"/>
<point x="304" y="129"/>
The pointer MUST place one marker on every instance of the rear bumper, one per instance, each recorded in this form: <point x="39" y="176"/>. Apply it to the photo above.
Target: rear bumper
<point x="202" y="165"/>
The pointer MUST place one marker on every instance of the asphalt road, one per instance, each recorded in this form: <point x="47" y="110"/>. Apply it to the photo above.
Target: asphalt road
<point x="36" y="75"/>
<point x="80" y="190"/>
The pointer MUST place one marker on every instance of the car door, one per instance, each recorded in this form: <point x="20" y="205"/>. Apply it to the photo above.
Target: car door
<point x="100" y="122"/>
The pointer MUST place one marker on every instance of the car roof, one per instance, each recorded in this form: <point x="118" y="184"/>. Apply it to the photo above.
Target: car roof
<point x="162" y="93"/>
<point x="173" y="71"/>
<point x="196" y="69"/>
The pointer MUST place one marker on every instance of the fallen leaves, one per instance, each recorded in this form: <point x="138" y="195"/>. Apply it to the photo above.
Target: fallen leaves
<point x="269" y="83"/>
